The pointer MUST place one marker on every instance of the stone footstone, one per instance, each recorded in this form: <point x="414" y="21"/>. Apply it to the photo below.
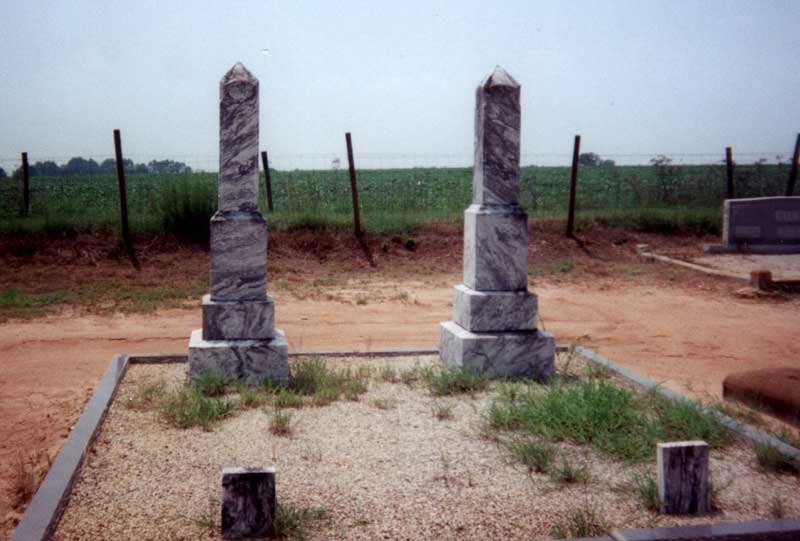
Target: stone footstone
<point x="683" y="478"/>
<point x="238" y="320"/>
<point x="249" y="361"/>
<point x="526" y="354"/>
<point x="238" y="256"/>
<point x="493" y="311"/>
<point x="495" y="248"/>
<point x="248" y="503"/>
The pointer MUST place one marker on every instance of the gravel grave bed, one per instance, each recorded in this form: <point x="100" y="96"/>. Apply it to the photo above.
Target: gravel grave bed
<point x="382" y="467"/>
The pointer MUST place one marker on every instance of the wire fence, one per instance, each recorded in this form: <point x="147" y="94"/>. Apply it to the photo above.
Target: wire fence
<point x="395" y="190"/>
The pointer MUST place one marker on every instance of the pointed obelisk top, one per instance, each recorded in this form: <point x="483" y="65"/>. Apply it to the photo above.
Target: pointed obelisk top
<point x="499" y="77"/>
<point x="238" y="73"/>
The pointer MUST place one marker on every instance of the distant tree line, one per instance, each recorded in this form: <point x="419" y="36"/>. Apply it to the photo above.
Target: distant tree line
<point x="81" y="166"/>
<point x="590" y="158"/>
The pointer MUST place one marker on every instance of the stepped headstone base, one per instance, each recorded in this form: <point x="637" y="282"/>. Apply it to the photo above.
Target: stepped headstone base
<point x="529" y="354"/>
<point x="248" y="361"/>
<point x="494" y="311"/>
<point x="238" y="320"/>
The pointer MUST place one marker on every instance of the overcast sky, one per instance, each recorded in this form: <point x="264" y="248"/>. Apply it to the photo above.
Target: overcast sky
<point x="638" y="77"/>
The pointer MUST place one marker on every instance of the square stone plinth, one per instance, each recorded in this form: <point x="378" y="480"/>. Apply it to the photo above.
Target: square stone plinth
<point x="247" y="361"/>
<point x="529" y="354"/>
<point x="238" y="256"/>
<point x="248" y="503"/>
<point x="238" y="320"/>
<point x="487" y="311"/>
<point x="495" y="248"/>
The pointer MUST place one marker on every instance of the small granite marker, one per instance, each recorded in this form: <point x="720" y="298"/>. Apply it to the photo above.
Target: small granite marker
<point x="248" y="502"/>
<point x="683" y="478"/>
<point x="238" y="338"/>
<point x="494" y="315"/>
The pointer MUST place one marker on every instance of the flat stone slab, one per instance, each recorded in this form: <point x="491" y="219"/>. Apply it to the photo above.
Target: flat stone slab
<point x="528" y="354"/>
<point x="487" y="311"/>
<point x="238" y="320"/>
<point x="776" y="389"/>
<point x="248" y="361"/>
<point x="762" y="221"/>
<point x="238" y="256"/>
<point x="496" y="248"/>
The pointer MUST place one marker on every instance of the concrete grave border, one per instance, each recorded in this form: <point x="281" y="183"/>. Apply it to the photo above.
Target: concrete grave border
<point x="44" y="512"/>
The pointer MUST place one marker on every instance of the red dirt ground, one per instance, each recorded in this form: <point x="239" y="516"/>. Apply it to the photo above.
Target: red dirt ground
<point x="677" y="326"/>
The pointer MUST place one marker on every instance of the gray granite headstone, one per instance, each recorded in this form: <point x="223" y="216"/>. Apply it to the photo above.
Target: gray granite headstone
<point x="248" y="503"/>
<point x="768" y="225"/>
<point x="238" y="338"/>
<point x="494" y="315"/>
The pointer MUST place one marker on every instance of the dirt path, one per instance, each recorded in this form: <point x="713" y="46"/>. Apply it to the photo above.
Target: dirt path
<point x="668" y="324"/>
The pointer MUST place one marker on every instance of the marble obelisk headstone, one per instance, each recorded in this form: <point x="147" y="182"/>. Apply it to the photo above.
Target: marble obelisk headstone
<point x="494" y="315"/>
<point x="238" y="338"/>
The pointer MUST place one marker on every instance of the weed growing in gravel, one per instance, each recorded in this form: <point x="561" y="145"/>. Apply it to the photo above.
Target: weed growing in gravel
<point x="448" y="381"/>
<point x="250" y="397"/>
<point x="645" y="487"/>
<point x="771" y="459"/>
<point x="580" y="523"/>
<point x="384" y="403"/>
<point x="147" y="395"/>
<point x="443" y="411"/>
<point x="293" y="522"/>
<point x="288" y="399"/>
<point x="410" y="376"/>
<point x="536" y="455"/>
<point x="614" y="420"/>
<point x="313" y="378"/>
<point x="777" y="509"/>
<point x="187" y="407"/>
<point x="388" y="374"/>
<point x="280" y="423"/>
<point x="210" y="384"/>
<point x="566" y="473"/>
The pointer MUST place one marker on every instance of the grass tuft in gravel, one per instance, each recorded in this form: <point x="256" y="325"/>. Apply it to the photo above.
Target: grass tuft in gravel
<point x="777" y="509"/>
<point x="536" y="455"/>
<point x="387" y="374"/>
<point x="584" y="522"/>
<point x="645" y="487"/>
<point x="147" y="395"/>
<point x="771" y="460"/>
<point x="613" y="420"/>
<point x="449" y="381"/>
<point x="210" y="384"/>
<point x="443" y="411"/>
<point x="384" y="403"/>
<point x="187" y="407"/>
<point x="293" y="522"/>
<point x="313" y="378"/>
<point x="280" y="422"/>
<point x="288" y="399"/>
<point x="250" y="397"/>
<point x="566" y="473"/>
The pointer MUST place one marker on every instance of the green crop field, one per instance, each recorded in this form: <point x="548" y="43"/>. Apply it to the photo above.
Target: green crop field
<point x="660" y="197"/>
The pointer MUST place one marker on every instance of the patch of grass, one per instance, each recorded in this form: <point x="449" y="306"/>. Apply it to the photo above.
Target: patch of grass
<point x="186" y="208"/>
<point x="250" y="397"/>
<point x="777" y="509"/>
<point x="645" y="487"/>
<point x="210" y="384"/>
<point x="288" y="399"/>
<point x="147" y="395"/>
<point x="187" y="407"/>
<point x="294" y="522"/>
<point x="326" y="396"/>
<point x="536" y="455"/>
<point x="566" y="473"/>
<point x="443" y="411"/>
<point x="582" y="522"/>
<point x="388" y="374"/>
<point x="280" y="422"/>
<point x="17" y="302"/>
<point x="384" y="403"/>
<point x="449" y="381"/>
<point x="410" y="376"/>
<point x="614" y="420"/>
<point x="770" y="459"/>
<point x="565" y="265"/>
<point x="313" y="378"/>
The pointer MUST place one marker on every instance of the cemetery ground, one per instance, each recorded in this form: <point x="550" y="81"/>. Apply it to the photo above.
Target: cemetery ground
<point x="68" y="305"/>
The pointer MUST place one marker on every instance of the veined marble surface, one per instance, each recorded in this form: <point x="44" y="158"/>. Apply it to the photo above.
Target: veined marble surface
<point x="238" y="140"/>
<point x="496" y="248"/>
<point x="238" y="320"/>
<point x="495" y="179"/>
<point x="238" y="256"/>
<point x="529" y="354"/>
<point x="494" y="311"/>
<point x="248" y="361"/>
